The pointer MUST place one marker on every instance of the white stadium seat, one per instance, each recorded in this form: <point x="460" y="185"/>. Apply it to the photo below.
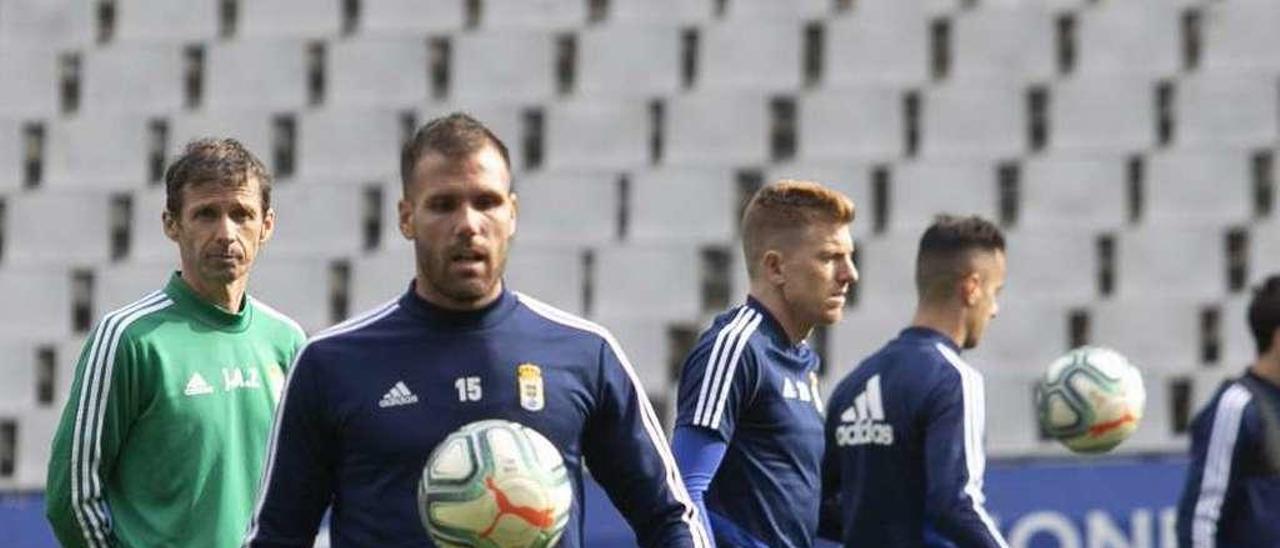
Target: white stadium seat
<point x="148" y="242"/>
<point x="920" y="190"/>
<point x="315" y="219"/>
<point x="1006" y="41"/>
<point x="358" y="144"/>
<point x="166" y="21"/>
<point x="289" y="18"/>
<point x="58" y="227"/>
<point x="18" y="392"/>
<point x="1011" y="428"/>
<point x="1186" y="261"/>
<point x="386" y="71"/>
<point x="53" y="24"/>
<point x="571" y="208"/>
<point x="1137" y="38"/>
<point x="1103" y="114"/>
<point x="11" y="155"/>
<point x="683" y="205"/>
<point x="256" y="74"/>
<point x="1156" y="334"/>
<point x="883" y="42"/>
<point x="644" y="340"/>
<point x="299" y="287"/>
<point x="1241" y="35"/>
<point x="551" y="274"/>
<point x="410" y="17"/>
<point x="43" y="294"/>
<point x="507" y="65"/>
<point x="1196" y="187"/>
<point x="678" y="12"/>
<point x="1027" y="335"/>
<point x="795" y="10"/>
<point x="629" y="60"/>
<point x="140" y="78"/>
<point x="862" y="332"/>
<point x="750" y="55"/>
<point x="1264" y="250"/>
<point x="982" y="120"/>
<point x="658" y="282"/>
<point x="533" y="14"/>
<point x="597" y="134"/>
<point x="1053" y="266"/>
<point x="1227" y="109"/>
<point x="887" y="269"/>
<point x="380" y="277"/>
<point x="35" y="429"/>
<point x="77" y="158"/>
<point x="28" y="81"/>
<point x="119" y="284"/>
<point x="1073" y="193"/>
<point x="251" y="127"/>
<point x="717" y="129"/>
<point x="851" y="123"/>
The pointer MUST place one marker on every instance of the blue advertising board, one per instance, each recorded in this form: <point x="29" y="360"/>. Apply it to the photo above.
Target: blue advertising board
<point x="1079" y="503"/>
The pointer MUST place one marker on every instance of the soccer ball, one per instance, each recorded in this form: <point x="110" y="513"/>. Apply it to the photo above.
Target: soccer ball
<point x="495" y="484"/>
<point x="1090" y="399"/>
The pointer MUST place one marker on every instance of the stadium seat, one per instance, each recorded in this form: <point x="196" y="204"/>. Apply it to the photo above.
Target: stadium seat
<point x="1198" y="187"/>
<point x="717" y="129"/>
<point x="137" y="78"/>
<point x="920" y="190"/>
<point x="851" y="123"/>
<point x="251" y="127"/>
<point x="1011" y="426"/>
<point x="165" y="21"/>
<point x="256" y="74"/>
<point x="58" y="227"/>
<point x="1264" y="250"/>
<point x="679" y="12"/>
<point x="645" y="343"/>
<point x="385" y="71"/>
<point x="299" y="287"/>
<point x="628" y="60"/>
<point x="1004" y="41"/>
<point x="148" y="242"/>
<point x="1183" y="260"/>
<point x="119" y="284"/>
<point x="52" y="24"/>
<point x="533" y="14"/>
<point x="770" y="10"/>
<point x="18" y="392"/>
<point x="289" y="18"/>
<point x="597" y="134"/>
<point x="551" y="274"/>
<point x="1241" y="35"/>
<point x="379" y="277"/>
<point x="1156" y="334"/>
<point x="354" y="145"/>
<point x="1227" y="109"/>
<point x="507" y="65"/>
<point x="11" y="155"/>
<point x="1103" y="114"/>
<point x="850" y="178"/>
<point x="657" y="282"/>
<point x="980" y="120"/>
<point x="1026" y="336"/>
<point x="570" y="208"/>
<point x="1074" y="193"/>
<point x="28" y="81"/>
<point x="1050" y="266"/>
<point x="886" y="269"/>
<point x="43" y="294"/>
<point x="683" y="205"/>
<point x="759" y="56"/>
<point x="883" y="42"/>
<point x="316" y="219"/>
<point x="505" y="119"/>
<point x="410" y="17"/>
<point x="35" y="429"/>
<point x="1134" y="38"/>
<point x="1238" y="348"/>
<point x="104" y="151"/>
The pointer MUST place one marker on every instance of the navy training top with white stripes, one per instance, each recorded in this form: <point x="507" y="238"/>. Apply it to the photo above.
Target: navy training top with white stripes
<point x="1231" y="497"/>
<point x="904" y="461"/>
<point x="746" y="383"/>
<point x="368" y="400"/>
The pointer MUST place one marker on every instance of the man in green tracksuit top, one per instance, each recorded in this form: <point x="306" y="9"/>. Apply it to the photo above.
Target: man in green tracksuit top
<point x="165" y="429"/>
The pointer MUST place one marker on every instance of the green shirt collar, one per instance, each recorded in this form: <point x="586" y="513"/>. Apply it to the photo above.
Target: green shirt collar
<point x="208" y="313"/>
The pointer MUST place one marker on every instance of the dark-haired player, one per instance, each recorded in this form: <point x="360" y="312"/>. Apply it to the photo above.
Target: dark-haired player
<point x="904" y="430"/>
<point x="1232" y="494"/>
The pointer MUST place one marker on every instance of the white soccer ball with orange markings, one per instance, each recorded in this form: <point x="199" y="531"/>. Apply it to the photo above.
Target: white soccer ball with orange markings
<point x="495" y="484"/>
<point x="1090" y="399"/>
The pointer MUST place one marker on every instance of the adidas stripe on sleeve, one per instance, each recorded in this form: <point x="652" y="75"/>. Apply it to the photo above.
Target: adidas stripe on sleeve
<point x="716" y="377"/>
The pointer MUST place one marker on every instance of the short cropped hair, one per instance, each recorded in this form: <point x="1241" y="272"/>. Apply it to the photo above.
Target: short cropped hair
<point x="1264" y="313"/>
<point x="945" y="249"/>
<point x="454" y="136"/>
<point x="214" y="161"/>
<point x="781" y="208"/>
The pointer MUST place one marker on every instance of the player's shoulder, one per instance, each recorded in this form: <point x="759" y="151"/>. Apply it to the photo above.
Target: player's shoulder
<point x="135" y="321"/>
<point x="734" y="332"/>
<point x="550" y="320"/>
<point x="352" y="331"/>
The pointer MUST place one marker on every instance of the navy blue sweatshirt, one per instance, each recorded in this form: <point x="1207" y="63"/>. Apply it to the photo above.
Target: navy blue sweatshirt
<point x="367" y="401"/>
